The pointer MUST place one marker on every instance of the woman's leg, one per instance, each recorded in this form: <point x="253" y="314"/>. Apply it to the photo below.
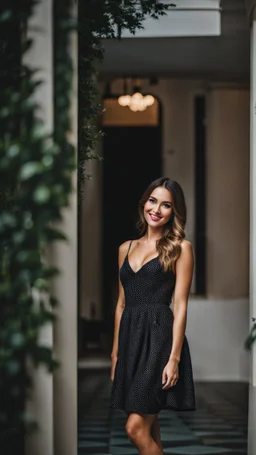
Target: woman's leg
<point x="156" y="433"/>
<point x="139" y="430"/>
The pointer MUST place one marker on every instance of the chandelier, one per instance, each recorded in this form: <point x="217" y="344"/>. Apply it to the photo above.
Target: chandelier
<point x="137" y="101"/>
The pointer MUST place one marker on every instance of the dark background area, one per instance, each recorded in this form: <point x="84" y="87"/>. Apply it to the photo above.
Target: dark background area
<point x="132" y="159"/>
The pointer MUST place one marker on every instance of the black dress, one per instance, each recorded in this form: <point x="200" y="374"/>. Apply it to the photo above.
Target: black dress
<point x="145" y="342"/>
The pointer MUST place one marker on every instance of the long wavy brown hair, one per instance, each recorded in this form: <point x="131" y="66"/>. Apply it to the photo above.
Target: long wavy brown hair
<point x="169" y="245"/>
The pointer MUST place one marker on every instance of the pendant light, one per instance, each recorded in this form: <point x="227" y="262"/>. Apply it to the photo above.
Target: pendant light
<point x="137" y="101"/>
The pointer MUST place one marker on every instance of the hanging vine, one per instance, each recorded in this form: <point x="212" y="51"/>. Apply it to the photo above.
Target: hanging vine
<point x="35" y="176"/>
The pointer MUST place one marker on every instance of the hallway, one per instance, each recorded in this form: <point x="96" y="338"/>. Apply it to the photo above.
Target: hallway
<point x="218" y="426"/>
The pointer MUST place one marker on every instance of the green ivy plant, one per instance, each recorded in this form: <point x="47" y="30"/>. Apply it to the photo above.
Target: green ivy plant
<point x="251" y="337"/>
<point x="35" y="176"/>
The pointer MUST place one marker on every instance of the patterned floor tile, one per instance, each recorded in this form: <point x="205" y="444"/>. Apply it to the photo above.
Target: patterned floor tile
<point x="229" y="443"/>
<point x="217" y="427"/>
<point x="181" y="431"/>
<point x="124" y="451"/>
<point x="218" y="433"/>
<point x="206" y="426"/>
<point x="197" y="450"/>
<point x="87" y="436"/>
<point x="176" y="429"/>
<point x="120" y="441"/>
<point x="177" y="437"/>
<point x="91" y="444"/>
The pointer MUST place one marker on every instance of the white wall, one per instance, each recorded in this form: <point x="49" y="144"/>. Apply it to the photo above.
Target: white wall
<point x="216" y="331"/>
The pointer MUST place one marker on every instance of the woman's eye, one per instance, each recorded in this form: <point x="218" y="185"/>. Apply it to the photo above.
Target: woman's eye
<point x="167" y="206"/>
<point x="151" y="200"/>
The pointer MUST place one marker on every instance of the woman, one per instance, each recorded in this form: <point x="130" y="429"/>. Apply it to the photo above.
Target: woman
<point x="151" y="364"/>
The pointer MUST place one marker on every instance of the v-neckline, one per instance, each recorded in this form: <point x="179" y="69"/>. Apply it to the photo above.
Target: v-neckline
<point x="150" y="260"/>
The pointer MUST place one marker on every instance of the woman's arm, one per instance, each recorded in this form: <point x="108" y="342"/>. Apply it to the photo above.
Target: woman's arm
<point x="184" y="275"/>
<point x="120" y="302"/>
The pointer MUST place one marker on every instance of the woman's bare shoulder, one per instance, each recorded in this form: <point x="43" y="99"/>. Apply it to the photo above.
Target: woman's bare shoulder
<point x="186" y="245"/>
<point x="187" y="250"/>
<point x="123" y="248"/>
<point x="122" y="251"/>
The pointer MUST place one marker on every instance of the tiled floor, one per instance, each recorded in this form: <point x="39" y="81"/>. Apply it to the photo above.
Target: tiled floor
<point x="218" y="426"/>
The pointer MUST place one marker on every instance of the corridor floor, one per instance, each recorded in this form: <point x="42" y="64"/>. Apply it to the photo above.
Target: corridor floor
<point x="218" y="426"/>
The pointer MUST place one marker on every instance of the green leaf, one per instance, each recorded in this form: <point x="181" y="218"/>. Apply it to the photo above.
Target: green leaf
<point x="5" y="16"/>
<point x="18" y="237"/>
<point x="29" y="257"/>
<point x="13" y="151"/>
<point x="53" y="301"/>
<point x="54" y="234"/>
<point x="7" y="220"/>
<point x="18" y="340"/>
<point x="42" y="195"/>
<point x="41" y="284"/>
<point x="27" y="220"/>
<point x="29" y="170"/>
<point x="25" y="276"/>
<point x="47" y="161"/>
<point x="50" y="272"/>
<point x="13" y="367"/>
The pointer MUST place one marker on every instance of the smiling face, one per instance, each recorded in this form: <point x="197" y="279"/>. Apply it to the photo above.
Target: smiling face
<point x="158" y="208"/>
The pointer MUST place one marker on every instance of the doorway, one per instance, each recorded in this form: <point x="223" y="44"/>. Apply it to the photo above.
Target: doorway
<point x="132" y="151"/>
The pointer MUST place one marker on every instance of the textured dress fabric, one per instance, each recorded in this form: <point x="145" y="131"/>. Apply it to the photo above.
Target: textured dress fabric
<point x="145" y="342"/>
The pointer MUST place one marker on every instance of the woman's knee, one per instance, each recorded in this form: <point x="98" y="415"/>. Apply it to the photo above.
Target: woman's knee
<point x="134" y="430"/>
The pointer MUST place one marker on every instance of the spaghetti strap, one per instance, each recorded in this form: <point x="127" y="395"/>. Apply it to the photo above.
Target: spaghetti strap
<point x="129" y="248"/>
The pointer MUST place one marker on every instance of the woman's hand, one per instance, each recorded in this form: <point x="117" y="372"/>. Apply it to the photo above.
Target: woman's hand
<point x="113" y="366"/>
<point x="170" y="374"/>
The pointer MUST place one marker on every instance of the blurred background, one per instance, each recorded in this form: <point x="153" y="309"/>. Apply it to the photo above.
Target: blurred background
<point x="194" y="68"/>
<point x="173" y="98"/>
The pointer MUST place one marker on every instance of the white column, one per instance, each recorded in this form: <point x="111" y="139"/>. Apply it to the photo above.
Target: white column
<point x="227" y="170"/>
<point x="65" y="288"/>
<point x="41" y="56"/>
<point x="252" y="384"/>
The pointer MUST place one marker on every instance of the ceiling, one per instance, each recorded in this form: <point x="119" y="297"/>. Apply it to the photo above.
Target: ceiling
<point x="221" y="58"/>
